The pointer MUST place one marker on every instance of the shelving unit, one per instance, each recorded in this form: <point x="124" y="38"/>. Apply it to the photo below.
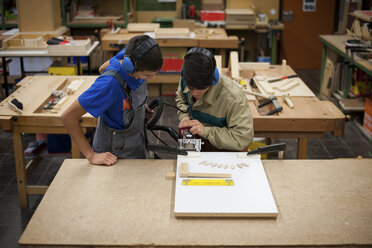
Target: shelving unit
<point x="6" y="24"/>
<point x="124" y="5"/>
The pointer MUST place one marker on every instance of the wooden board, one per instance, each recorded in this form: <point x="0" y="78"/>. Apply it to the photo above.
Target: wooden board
<point x="275" y="71"/>
<point x="35" y="93"/>
<point x="172" y="32"/>
<point x="249" y="197"/>
<point x="321" y="203"/>
<point x="142" y="27"/>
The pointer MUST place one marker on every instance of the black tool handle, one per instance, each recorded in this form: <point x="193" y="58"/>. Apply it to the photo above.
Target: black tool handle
<point x="165" y="149"/>
<point x="270" y="148"/>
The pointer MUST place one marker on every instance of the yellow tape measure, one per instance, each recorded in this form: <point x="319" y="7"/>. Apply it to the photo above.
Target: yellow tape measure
<point x="208" y="182"/>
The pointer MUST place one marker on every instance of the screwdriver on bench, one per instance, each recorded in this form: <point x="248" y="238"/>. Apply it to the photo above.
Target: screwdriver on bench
<point x="281" y="78"/>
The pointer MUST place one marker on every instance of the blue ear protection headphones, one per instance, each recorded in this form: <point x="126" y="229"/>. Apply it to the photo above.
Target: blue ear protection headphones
<point x="216" y="74"/>
<point x="129" y="61"/>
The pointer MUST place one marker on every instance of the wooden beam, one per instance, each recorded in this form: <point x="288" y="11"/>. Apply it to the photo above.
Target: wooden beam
<point x="234" y="65"/>
<point x="36" y="190"/>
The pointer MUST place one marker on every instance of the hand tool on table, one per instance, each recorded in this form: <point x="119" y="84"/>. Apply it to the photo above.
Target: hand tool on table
<point x="189" y="142"/>
<point x="281" y="78"/>
<point x="269" y="148"/>
<point x="16" y="105"/>
<point x="274" y="101"/>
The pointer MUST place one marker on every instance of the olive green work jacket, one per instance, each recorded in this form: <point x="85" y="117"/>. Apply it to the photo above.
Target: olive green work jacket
<point x="223" y="110"/>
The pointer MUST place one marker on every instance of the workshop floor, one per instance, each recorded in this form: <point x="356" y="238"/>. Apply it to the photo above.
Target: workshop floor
<point x="13" y="221"/>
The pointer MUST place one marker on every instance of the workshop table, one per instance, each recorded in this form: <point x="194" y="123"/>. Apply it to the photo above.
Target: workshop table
<point x="43" y="53"/>
<point x="320" y="202"/>
<point x="337" y="44"/>
<point x="34" y="93"/>
<point x="218" y="40"/>
<point x="310" y="118"/>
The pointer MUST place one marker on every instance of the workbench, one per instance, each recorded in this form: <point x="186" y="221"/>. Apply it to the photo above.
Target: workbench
<point x="34" y="93"/>
<point x="273" y="32"/>
<point x="218" y="39"/>
<point x="309" y="119"/>
<point x="42" y="53"/>
<point x="336" y="43"/>
<point x="321" y="203"/>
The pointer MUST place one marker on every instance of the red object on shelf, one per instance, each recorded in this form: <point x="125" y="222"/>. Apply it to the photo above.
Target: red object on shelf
<point x="212" y="15"/>
<point x="367" y="122"/>
<point x="172" y="65"/>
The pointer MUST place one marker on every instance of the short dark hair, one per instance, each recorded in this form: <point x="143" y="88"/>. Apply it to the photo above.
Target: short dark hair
<point x="150" y="61"/>
<point x="198" y="71"/>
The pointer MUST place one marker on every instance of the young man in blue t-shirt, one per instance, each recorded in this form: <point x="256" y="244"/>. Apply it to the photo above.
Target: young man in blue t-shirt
<point x="118" y="99"/>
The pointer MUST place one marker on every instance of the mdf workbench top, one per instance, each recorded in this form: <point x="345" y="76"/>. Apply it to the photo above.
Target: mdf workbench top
<point x="321" y="202"/>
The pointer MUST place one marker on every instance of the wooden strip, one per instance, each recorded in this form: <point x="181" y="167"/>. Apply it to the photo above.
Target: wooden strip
<point x="20" y="169"/>
<point x="31" y="166"/>
<point x="184" y="169"/>
<point x="254" y="65"/>
<point x="36" y="190"/>
<point x="142" y="27"/>
<point x="234" y="65"/>
<point x="208" y="175"/>
<point x="218" y="62"/>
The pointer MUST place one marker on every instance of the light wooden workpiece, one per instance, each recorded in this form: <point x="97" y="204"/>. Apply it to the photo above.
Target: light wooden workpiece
<point x="321" y="203"/>
<point x="234" y="65"/>
<point x="184" y="173"/>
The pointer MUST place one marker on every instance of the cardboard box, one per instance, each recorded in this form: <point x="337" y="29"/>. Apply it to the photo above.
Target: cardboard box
<point x="240" y="17"/>
<point x="39" y="15"/>
<point x="75" y="46"/>
<point x="367" y="121"/>
<point x="268" y="7"/>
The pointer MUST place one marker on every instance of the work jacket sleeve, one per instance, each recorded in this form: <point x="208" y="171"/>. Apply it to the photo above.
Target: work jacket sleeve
<point x="238" y="134"/>
<point x="181" y="102"/>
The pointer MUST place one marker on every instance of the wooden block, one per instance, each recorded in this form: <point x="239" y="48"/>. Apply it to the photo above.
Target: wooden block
<point x="267" y="88"/>
<point x="184" y="170"/>
<point x="255" y="94"/>
<point x="171" y="175"/>
<point x="254" y="66"/>
<point x="284" y="67"/>
<point x="289" y="102"/>
<point x="357" y="28"/>
<point x="234" y="65"/>
<point x="14" y="108"/>
<point x="172" y="32"/>
<point x="218" y="62"/>
<point x="289" y="86"/>
<point x="208" y="175"/>
<point x="74" y="86"/>
<point x="142" y="27"/>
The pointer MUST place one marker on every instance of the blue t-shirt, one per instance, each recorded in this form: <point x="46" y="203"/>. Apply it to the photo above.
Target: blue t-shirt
<point x="105" y="97"/>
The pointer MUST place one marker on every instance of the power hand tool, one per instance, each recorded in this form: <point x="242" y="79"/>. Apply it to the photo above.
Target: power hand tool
<point x="189" y="142"/>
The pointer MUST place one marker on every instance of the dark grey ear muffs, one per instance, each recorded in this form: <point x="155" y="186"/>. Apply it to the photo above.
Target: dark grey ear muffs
<point x="129" y="61"/>
<point x="200" y="50"/>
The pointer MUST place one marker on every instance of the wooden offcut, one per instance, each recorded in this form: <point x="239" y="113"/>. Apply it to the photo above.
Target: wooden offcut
<point x="172" y="32"/>
<point x="142" y="27"/>
<point x="234" y="65"/>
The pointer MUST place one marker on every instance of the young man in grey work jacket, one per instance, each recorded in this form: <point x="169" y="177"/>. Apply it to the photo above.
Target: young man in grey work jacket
<point x="217" y="109"/>
<point x="118" y="99"/>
